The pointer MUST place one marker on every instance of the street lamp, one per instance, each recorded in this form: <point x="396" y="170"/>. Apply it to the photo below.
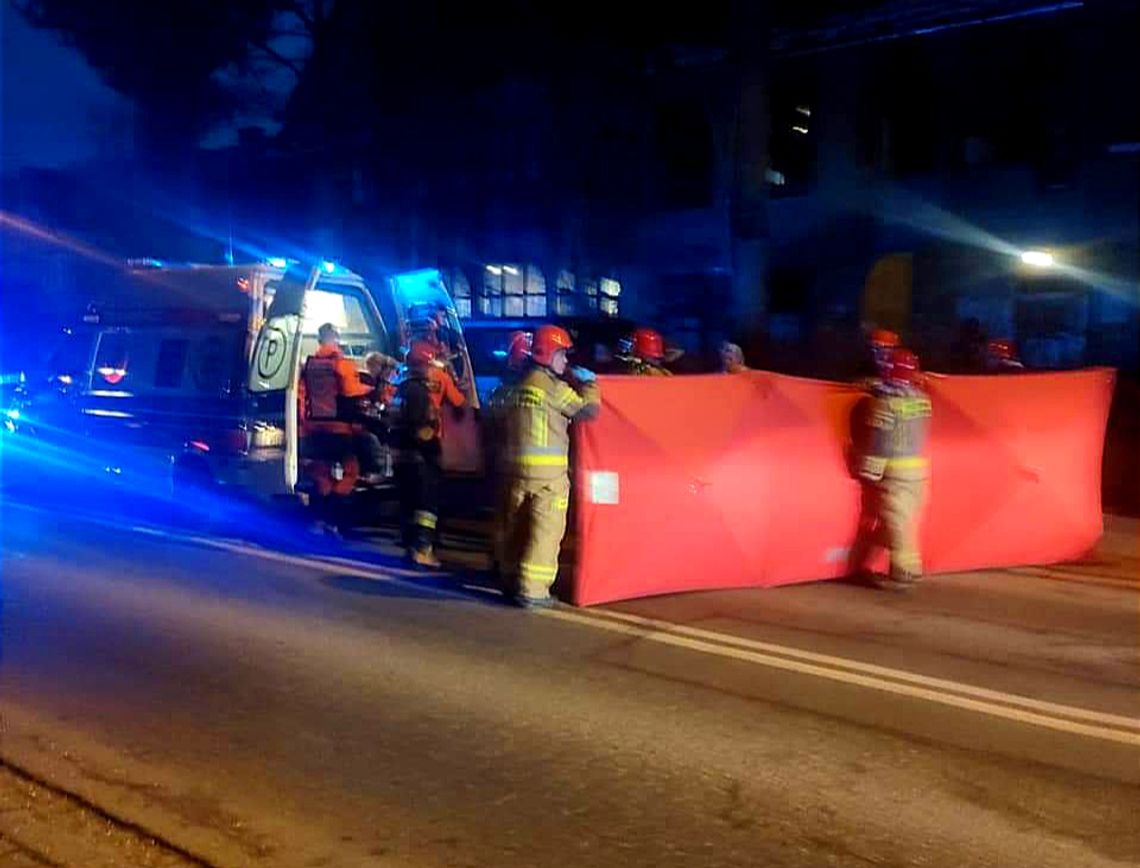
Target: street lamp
<point x="1037" y="258"/>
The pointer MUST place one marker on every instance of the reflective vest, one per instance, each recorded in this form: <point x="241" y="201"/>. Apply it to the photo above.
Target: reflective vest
<point x="322" y="389"/>
<point x="900" y="423"/>
<point x="539" y="410"/>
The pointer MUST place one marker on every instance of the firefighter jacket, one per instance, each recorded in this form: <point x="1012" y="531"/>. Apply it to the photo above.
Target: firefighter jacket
<point x="538" y="414"/>
<point x="328" y="385"/>
<point x="900" y="423"/>
<point x="442" y="386"/>
<point x="417" y="425"/>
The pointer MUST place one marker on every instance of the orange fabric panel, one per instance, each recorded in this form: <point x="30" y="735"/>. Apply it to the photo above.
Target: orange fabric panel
<point x="747" y="480"/>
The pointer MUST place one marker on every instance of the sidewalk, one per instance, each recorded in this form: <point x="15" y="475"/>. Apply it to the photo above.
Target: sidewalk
<point x="41" y="826"/>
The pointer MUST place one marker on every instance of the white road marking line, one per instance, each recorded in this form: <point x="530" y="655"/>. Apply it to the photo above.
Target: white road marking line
<point x="988" y="708"/>
<point x="1022" y="709"/>
<point x="846" y="663"/>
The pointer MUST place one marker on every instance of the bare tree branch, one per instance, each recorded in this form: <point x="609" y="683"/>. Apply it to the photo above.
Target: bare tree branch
<point x="292" y="65"/>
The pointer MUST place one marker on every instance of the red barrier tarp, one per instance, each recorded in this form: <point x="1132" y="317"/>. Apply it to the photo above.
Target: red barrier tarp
<point x="692" y="483"/>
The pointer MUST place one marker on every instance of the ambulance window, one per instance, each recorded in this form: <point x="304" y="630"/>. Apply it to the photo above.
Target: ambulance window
<point x="347" y="309"/>
<point x="171" y="362"/>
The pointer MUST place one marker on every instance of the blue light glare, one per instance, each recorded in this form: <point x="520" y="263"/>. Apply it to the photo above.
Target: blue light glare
<point x="278" y="261"/>
<point x="329" y="267"/>
<point x="419" y="287"/>
<point x="13" y="413"/>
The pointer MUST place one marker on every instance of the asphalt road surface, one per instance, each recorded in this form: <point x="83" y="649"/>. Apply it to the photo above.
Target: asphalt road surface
<point x="258" y="709"/>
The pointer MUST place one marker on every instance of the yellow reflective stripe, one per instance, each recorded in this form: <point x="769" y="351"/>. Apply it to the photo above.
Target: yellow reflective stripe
<point x="906" y="463"/>
<point x="562" y="503"/>
<point x="538" y="571"/>
<point x="568" y="401"/>
<point x="529" y="396"/>
<point x="424" y="519"/>
<point x="910" y="408"/>
<point x="544" y="460"/>
<point x="541" y="429"/>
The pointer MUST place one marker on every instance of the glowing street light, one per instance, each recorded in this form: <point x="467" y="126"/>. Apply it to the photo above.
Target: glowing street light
<point x="1037" y="258"/>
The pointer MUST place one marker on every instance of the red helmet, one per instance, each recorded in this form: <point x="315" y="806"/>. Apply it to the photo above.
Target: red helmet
<point x="884" y="338"/>
<point x="518" y="350"/>
<point x="649" y="345"/>
<point x="903" y="366"/>
<point x="1000" y="349"/>
<point x="548" y="340"/>
<point x="420" y="354"/>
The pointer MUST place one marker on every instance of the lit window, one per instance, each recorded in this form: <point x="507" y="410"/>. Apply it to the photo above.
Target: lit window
<point x="565" y="294"/>
<point x="491" y="302"/>
<point x="514" y="285"/>
<point x="591" y="291"/>
<point x="322" y="307"/>
<point x="535" y="292"/>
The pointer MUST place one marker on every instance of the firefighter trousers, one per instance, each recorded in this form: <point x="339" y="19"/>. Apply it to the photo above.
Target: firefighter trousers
<point x="890" y="513"/>
<point x="533" y="516"/>
<point x="900" y="501"/>
<point x="418" y="484"/>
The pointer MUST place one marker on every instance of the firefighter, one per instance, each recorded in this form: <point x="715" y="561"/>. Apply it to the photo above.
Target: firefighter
<point x="1001" y="357"/>
<point x="544" y="402"/>
<point x="894" y="464"/>
<point x="517" y="356"/>
<point x="330" y="389"/>
<point x="417" y="437"/>
<point x="732" y="359"/>
<point x="881" y="343"/>
<point x="646" y="354"/>
<point x="429" y="322"/>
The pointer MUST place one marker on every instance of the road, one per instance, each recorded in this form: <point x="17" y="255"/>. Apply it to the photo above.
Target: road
<point x="261" y="709"/>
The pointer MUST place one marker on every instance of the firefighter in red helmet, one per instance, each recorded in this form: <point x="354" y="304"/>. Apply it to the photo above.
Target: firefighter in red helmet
<point x="883" y="343"/>
<point x="548" y="397"/>
<point x="418" y="439"/>
<point x="896" y="466"/>
<point x="1001" y="357"/>
<point x="645" y="356"/>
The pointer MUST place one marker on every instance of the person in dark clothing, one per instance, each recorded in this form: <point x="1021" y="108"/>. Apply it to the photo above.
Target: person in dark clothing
<point x="418" y="472"/>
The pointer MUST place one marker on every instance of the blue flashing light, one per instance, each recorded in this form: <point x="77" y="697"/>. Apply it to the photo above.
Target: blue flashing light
<point x="329" y="267"/>
<point x="278" y="261"/>
<point x="499" y="354"/>
<point x="13" y="413"/>
<point x="416" y="287"/>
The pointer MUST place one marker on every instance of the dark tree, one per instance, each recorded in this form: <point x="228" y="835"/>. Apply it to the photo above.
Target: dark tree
<point x="164" y="56"/>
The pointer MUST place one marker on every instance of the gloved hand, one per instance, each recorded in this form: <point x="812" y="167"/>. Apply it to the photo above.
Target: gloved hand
<point x="583" y="375"/>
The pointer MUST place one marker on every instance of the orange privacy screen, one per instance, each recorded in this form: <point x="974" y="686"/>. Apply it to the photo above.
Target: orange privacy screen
<point x="692" y="483"/>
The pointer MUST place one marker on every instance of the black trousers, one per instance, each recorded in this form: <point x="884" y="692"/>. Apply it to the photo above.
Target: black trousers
<point x="417" y="480"/>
